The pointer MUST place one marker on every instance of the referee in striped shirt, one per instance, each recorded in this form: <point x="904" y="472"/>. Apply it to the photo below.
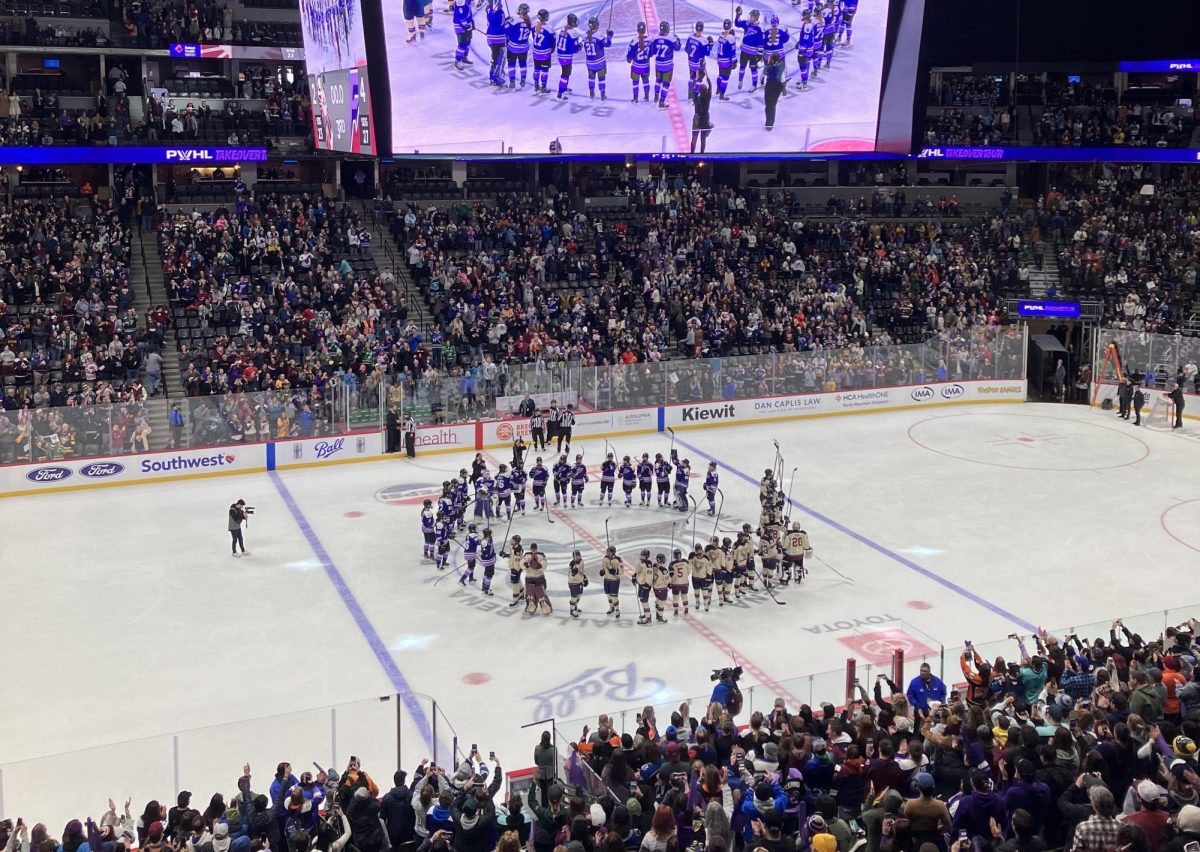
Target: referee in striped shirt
<point x="566" y="421"/>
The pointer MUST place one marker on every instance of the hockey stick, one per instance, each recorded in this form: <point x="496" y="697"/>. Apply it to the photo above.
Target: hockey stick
<point x="672" y="431"/>
<point x="690" y="520"/>
<point x="834" y="570"/>
<point x="767" y="588"/>
<point x="607" y="540"/>
<point x="720" y="509"/>
<point x="791" y="485"/>
<point x="611" y="3"/>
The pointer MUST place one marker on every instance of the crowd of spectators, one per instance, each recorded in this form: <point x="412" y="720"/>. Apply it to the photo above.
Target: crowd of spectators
<point x="1087" y="744"/>
<point x="157" y="23"/>
<point x="692" y="271"/>
<point x="234" y="124"/>
<point x="73" y="350"/>
<point x="1078" y="114"/>
<point x="1134" y="249"/>
<point x="282" y="289"/>
<point x="993" y="126"/>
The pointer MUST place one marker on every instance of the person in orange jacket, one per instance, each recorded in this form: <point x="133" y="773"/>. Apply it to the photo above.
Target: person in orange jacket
<point x="979" y="681"/>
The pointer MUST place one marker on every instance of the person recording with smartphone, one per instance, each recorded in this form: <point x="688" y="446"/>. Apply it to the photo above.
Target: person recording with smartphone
<point x="239" y="514"/>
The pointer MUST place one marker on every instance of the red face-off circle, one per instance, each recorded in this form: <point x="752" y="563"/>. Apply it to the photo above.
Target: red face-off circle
<point x="476" y="678"/>
<point x="920" y="605"/>
<point x="355" y="514"/>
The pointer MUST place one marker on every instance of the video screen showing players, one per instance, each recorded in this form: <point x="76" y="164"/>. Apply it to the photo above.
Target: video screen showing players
<point x="336" y="61"/>
<point x="635" y="76"/>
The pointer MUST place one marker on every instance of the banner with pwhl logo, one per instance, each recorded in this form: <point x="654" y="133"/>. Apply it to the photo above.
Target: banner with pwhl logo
<point x="103" y="155"/>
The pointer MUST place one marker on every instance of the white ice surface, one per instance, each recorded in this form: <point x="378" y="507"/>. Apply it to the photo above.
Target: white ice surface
<point x="126" y="618"/>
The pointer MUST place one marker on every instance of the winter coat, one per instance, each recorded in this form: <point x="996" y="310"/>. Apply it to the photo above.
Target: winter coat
<point x="398" y="815"/>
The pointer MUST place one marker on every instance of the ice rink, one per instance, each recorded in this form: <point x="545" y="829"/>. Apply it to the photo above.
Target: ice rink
<point x="127" y="618"/>
<point x="437" y="109"/>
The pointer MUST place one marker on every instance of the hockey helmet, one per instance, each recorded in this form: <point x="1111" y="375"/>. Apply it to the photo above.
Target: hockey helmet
<point x="576" y="553"/>
<point x="523" y="10"/>
<point x="487" y="533"/>
<point x="503" y="468"/>
<point x="727" y="24"/>
<point x="754" y="14"/>
<point x="539" y="459"/>
<point x="678" y="553"/>
<point x="516" y="539"/>
<point x="645" y="554"/>
<point x="664" y="27"/>
<point x="807" y="14"/>
<point x="427" y="503"/>
<point x="626" y="459"/>
<point x="572" y="21"/>
<point x="660" y="558"/>
<point x="578" y="457"/>
<point x="712" y="465"/>
<point x="768" y="474"/>
<point x="608" y="455"/>
<point x="641" y="28"/>
<point x="796" y="525"/>
<point x="543" y="15"/>
<point x="774" y="20"/>
<point x="746" y="528"/>
<point x="699" y="26"/>
<point x="471" y="528"/>
<point x="593" y="23"/>
<point x="612" y="551"/>
<point x="725" y="542"/>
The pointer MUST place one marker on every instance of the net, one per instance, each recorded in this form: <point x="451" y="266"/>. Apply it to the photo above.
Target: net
<point x="1162" y="413"/>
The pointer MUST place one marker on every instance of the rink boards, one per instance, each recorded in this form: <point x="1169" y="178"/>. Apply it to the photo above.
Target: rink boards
<point x="176" y="465"/>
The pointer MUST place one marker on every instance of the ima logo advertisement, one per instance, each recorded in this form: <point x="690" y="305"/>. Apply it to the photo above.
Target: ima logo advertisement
<point x="922" y="394"/>
<point x="952" y="391"/>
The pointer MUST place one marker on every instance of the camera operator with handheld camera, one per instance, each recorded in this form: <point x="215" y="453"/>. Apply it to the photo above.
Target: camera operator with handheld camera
<point x="239" y="514"/>
<point x="727" y="693"/>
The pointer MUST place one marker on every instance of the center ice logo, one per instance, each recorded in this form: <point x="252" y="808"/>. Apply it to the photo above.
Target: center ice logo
<point x="408" y="494"/>
<point x="622" y="684"/>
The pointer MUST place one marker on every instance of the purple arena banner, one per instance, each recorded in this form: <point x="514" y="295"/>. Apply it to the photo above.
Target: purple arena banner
<point x="1061" y="155"/>
<point x="71" y="155"/>
<point x="1044" y="308"/>
<point x="1161" y="65"/>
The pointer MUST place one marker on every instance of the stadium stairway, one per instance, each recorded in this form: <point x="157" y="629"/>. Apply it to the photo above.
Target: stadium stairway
<point x="157" y="289"/>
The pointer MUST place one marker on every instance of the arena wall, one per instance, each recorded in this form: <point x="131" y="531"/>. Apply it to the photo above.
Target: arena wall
<point x="176" y="465"/>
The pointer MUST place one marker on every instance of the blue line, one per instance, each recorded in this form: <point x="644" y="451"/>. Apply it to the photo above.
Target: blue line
<point x="879" y="548"/>
<point x="271" y="456"/>
<point x="356" y="612"/>
<point x="662" y="419"/>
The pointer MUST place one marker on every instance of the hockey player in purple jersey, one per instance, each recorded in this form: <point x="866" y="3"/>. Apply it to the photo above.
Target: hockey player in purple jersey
<point x="849" y="8"/>
<point x="829" y="27"/>
<point x="752" y="45"/>
<point x="464" y="27"/>
<point x="496" y="39"/>
<point x="517" y="30"/>
<point x="663" y="47"/>
<point x="541" y="47"/>
<point x="698" y="48"/>
<point x="566" y="46"/>
<point x="638" y="57"/>
<point x="726" y="58"/>
<point x="775" y="40"/>
<point x="807" y="39"/>
<point x="597" y="63"/>
<point x="711" y="482"/>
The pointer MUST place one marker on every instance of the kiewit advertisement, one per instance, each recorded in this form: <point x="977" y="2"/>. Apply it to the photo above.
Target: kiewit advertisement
<point x="699" y="415"/>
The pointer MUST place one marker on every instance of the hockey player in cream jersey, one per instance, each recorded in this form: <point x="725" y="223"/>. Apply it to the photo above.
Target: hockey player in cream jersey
<point x="662" y="585"/>
<point x="610" y="573"/>
<point x="644" y="578"/>
<point x="795" y="547"/>
<point x="701" y="578"/>
<point x="681" y="571"/>
<point x="576" y="580"/>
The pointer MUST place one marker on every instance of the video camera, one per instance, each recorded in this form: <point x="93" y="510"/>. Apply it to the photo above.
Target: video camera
<point x="249" y="510"/>
<point x="726" y="674"/>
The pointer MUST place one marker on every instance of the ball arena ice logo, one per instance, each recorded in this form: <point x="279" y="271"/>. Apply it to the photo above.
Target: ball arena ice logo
<point x="694" y="412"/>
<point x="327" y="449"/>
<point x="186" y="463"/>
<point x="922" y="394"/>
<point x="622" y="684"/>
<point x="953" y="391"/>
<point x="409" y="493"/>
<point x="100" y="470"/>
<point x="48" y="474"/>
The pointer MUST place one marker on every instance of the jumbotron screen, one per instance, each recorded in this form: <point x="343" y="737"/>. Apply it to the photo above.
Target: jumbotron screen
<point x="336" y="61"/>
<point x="645" y="77"/>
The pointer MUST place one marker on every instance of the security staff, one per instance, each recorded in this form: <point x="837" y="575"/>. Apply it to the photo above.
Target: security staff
<point x="393" y="430"/>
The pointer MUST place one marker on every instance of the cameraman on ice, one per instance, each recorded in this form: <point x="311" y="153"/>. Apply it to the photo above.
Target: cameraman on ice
<point x="239" y="512"/>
